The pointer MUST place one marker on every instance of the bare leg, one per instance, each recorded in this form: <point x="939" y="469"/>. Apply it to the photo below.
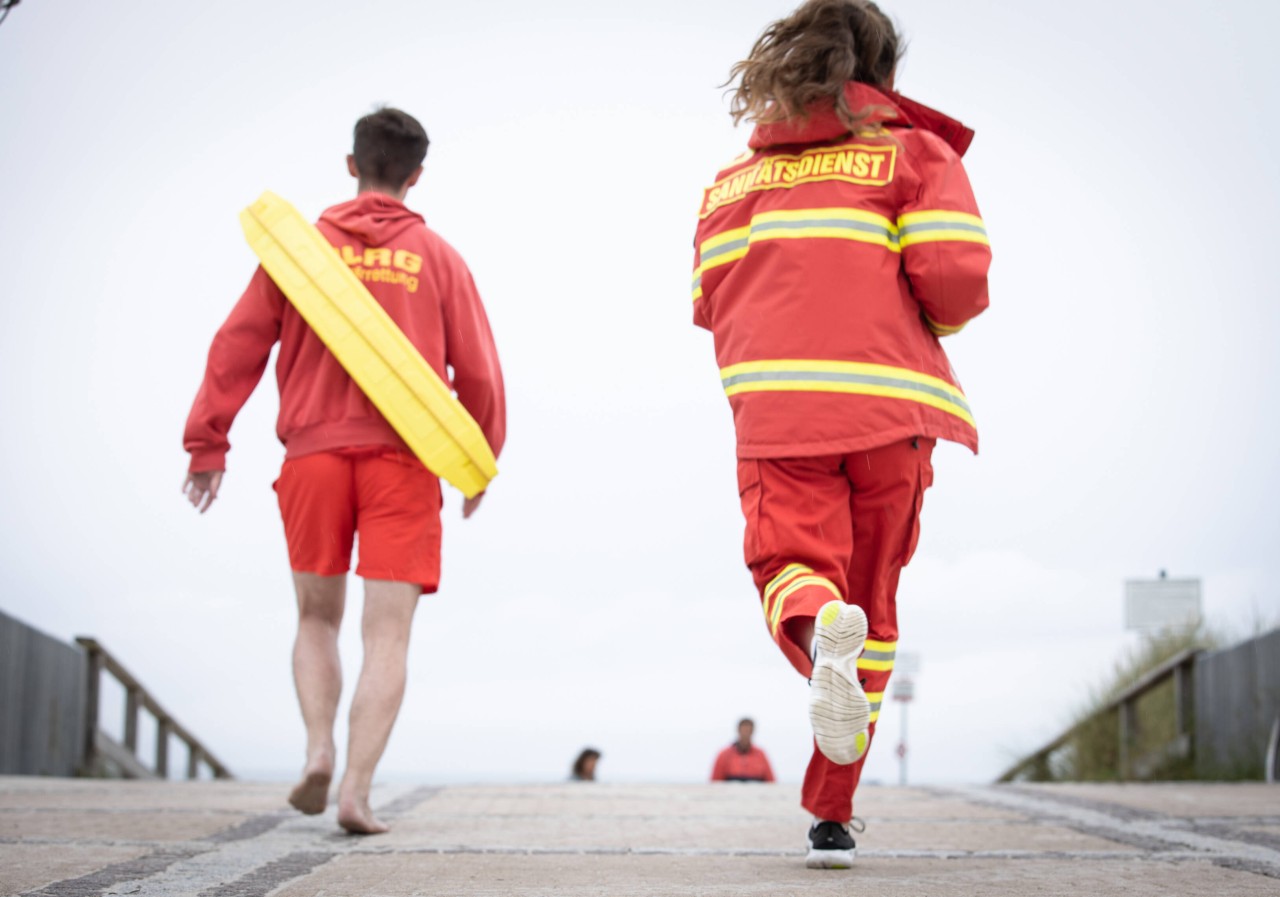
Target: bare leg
<point x="317" y="674"/>
<point x="388" y="615"/>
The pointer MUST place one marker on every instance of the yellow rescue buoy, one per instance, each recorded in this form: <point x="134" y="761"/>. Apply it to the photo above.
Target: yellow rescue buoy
<point x="368" y="344"/>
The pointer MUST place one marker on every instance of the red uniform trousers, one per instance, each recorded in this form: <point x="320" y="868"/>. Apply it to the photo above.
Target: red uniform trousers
<point x="838" y="526"/>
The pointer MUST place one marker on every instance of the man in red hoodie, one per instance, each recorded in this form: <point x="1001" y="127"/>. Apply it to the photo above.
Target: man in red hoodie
<point x="345" y="469"/>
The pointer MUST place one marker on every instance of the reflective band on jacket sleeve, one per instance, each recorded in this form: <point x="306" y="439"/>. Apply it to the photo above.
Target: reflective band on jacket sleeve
<point x="808" y="375"/>
<point x="941" y="329"/>
<point x="936" y="226"/>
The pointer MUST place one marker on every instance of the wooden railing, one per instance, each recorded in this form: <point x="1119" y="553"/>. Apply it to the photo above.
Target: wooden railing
<point x="1037" y="766"/>
<point x="102" y="752"/>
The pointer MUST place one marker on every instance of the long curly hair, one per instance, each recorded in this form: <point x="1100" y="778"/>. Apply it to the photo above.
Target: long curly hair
<point x="809" y="56"/>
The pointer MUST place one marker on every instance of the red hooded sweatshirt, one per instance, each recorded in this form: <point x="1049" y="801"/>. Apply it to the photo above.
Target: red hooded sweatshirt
<point x="425" y="287"/>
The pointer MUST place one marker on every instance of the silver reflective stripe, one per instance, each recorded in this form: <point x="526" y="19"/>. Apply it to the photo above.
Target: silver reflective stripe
<point x="909" y="229"/>
<point x="841" y="223"/>
<point x="834" y="377"/>
<point x="697" y="282"/>
<point x="878" y="655"/>
<point x="875" y="706"/>
<point x="722" y="249"/>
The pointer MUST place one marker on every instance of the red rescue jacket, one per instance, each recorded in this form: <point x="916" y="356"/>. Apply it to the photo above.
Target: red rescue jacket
<point x="827" y="265"/>
<point x="425" y="287"/>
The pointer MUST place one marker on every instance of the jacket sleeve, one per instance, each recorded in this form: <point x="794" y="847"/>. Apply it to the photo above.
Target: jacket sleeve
<point x="237" y="359"/>
<point x="699" y="305"/>
<point x="471" y="353"/>
<point x="945" y="251"/>
<point x="768" y="770"/>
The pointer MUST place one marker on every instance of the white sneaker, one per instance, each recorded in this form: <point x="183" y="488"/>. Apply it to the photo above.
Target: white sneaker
<point x="838" y="707"/>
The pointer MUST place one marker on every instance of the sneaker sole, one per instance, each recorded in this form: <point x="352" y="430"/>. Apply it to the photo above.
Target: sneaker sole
<point x="829" y="859"/>
<point x="838" y="707"/>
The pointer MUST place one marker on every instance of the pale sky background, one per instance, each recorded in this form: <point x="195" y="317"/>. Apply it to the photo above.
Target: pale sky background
<point x="1125" y="378"/>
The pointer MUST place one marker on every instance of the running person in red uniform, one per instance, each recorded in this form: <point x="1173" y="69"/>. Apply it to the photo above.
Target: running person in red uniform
<point x="346" y="471"/>
<point x="830" y="258"/>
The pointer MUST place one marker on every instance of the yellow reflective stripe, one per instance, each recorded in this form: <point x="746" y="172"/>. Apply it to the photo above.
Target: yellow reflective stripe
<point x="770" y="590"/>
<point x="811" y="375"/>
<point x="795" y="586"/>
<point x="887" y="647"/>
<point x="697" y="284"/>
<point x="936" y="225"/>
<point x="942" y="329"/>
<point x="789" y="570"/>
<point x="790" y="224"/>
<point x="879" y="666"/>
<point x="875" y="699"/>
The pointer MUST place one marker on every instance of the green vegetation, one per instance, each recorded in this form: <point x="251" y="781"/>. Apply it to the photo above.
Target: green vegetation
<point x="1092" y="753"/>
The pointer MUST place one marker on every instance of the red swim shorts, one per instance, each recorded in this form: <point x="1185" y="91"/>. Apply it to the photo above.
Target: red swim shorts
<point x="384" y="494"/>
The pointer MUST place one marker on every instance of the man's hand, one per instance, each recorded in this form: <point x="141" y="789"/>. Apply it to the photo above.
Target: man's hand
<point x="202" y="488"/>
<point x="469" y="505"/>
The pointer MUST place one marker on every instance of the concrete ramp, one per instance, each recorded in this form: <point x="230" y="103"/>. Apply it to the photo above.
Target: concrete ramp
<point x="234" y="839"/>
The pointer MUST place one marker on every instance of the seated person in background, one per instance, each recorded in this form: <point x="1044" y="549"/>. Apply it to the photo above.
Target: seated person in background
<point x="584" y="768"/>
<point x="742" y="761"/>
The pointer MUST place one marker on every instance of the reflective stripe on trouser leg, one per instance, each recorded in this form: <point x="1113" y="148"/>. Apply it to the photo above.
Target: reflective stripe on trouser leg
<point x="792" y="593"/>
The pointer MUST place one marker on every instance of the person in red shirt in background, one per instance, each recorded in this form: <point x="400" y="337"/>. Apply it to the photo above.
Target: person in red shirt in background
<point x="742" y="761"/>
<point x="830" y="258"/>
<point x="346" y="471"/>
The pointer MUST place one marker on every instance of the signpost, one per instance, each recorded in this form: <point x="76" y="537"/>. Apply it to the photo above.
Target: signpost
<point x="906" y="668"/>
<point x="1154" y="604"/>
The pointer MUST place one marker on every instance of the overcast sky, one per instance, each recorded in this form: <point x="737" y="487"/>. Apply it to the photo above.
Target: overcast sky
<point x="1124" y="380"/>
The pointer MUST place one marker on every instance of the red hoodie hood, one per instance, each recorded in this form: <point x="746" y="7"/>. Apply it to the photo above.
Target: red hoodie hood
<point x="373" y="217"/>
<point x="883" y="106"/>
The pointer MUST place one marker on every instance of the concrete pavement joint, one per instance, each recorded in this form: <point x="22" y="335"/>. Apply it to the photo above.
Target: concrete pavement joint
<point x="1151" y="832"/>
<point x="272" y="844"/>
<point x="109" y="876"/>
<point x="265" y="879"/>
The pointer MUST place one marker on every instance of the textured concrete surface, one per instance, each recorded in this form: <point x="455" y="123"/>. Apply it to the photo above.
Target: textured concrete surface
<point x="232" y="839"/>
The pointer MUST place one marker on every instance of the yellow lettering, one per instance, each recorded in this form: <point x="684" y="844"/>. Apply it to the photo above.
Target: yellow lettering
<point x="806" y="166"/>
<point x="764" y="172"/>
<point x="844" y="162"/>
<point x="379" y="257"/>
<point x="860" y="163"/>
<point x="407" y="261"/>
<point x="876" y="161"/>
<point x="349" y="256"/>
<point x="828" y="163"/>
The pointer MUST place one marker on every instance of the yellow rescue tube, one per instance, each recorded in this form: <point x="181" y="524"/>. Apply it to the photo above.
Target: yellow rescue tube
<point x="369" y="345"/>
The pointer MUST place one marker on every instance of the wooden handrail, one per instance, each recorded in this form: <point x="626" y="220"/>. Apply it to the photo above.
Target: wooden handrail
<point x="136" y="698"/>
<point x="1123" y="703"/>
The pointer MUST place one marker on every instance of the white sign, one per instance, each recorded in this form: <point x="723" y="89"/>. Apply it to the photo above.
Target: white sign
<point x="904" y="689"/>
<point x="1161" y="603"/>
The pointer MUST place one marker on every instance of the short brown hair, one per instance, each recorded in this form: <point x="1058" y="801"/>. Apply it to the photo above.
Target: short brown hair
<point x="809" y="56"/>
<point x="389" y="146"/>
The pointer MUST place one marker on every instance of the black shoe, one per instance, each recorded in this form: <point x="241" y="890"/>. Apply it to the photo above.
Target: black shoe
<point x="831" y="846"/>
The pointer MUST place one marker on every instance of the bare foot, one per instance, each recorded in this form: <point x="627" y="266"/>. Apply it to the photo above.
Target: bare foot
<point x="311" y="795"/>
<point x="357" y="817"/>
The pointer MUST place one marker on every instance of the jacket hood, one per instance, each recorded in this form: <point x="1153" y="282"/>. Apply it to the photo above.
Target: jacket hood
<point x="884" y="107"/>
<point x="373" y="217"/>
